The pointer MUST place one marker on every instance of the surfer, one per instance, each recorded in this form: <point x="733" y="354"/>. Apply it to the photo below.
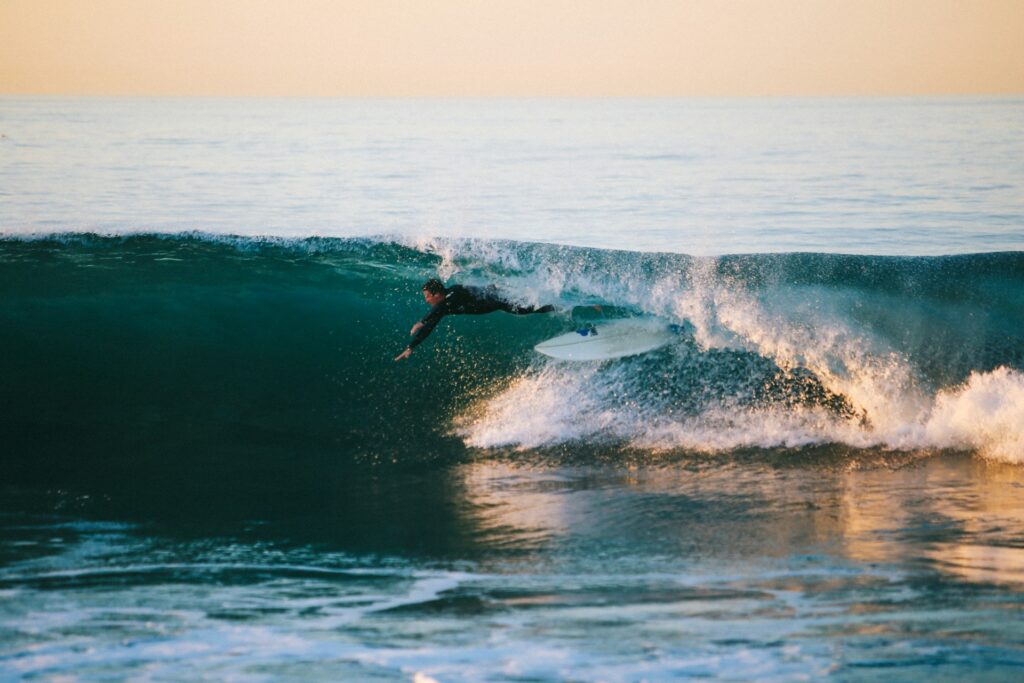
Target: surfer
<point x="460" y="300"/>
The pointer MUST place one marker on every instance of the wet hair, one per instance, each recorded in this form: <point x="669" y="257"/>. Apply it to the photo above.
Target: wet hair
<point x="434" y="286"/>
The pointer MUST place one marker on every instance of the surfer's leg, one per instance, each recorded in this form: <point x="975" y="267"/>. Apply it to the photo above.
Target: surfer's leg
<point x="492" y="303"/>
<point x="524" y="310"/>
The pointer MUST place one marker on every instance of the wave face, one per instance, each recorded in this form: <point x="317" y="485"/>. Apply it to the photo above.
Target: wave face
<point x="156" y="353"/>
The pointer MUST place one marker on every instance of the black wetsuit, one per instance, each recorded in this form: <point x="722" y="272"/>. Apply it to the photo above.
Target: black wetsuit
<point x="459" y="300"/>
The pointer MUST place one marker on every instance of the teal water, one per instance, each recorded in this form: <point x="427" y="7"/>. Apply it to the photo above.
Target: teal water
<point x="212" y="469"/>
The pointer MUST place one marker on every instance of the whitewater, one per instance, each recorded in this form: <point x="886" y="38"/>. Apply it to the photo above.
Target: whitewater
<point x="211" y="467"/>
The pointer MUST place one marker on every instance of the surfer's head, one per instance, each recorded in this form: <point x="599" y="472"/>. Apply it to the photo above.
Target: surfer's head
<point x="433" y="291"/>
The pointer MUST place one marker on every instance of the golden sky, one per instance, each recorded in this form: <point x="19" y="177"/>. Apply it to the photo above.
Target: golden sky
<point x="512" y="47"/>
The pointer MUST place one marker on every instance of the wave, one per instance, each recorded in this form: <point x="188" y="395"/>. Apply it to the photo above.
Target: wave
<point x="124" y="348"/>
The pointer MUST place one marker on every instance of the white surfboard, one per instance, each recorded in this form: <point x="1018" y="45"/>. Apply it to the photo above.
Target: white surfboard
<point x="611" y="339"/>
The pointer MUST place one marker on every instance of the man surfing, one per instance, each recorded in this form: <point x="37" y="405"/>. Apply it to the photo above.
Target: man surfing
<point x="459" y="300"/>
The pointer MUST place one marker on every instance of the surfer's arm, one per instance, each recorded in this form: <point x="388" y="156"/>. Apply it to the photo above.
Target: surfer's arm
<point x="423" y="328"/>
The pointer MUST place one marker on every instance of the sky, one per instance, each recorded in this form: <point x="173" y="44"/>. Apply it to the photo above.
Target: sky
<point x="511" y="47"/>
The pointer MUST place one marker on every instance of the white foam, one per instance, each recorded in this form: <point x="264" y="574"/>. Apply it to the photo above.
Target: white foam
<point x="986" y="414"/>
<point x="561" y="403"/>
<point x="553" y="405"/>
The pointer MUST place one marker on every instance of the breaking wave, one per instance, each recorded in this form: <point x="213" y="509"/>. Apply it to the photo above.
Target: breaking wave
<point x="124" y="347"/>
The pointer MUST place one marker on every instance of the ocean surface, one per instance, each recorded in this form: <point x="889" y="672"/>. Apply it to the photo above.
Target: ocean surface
<point x="211" y="467"/>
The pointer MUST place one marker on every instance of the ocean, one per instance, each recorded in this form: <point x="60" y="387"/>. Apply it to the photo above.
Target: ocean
<point x="213" y="469"/>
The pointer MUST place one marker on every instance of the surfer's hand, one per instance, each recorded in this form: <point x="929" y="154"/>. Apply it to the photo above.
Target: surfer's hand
<point x="415" y="329"/>
<point x="404" y="354"/>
